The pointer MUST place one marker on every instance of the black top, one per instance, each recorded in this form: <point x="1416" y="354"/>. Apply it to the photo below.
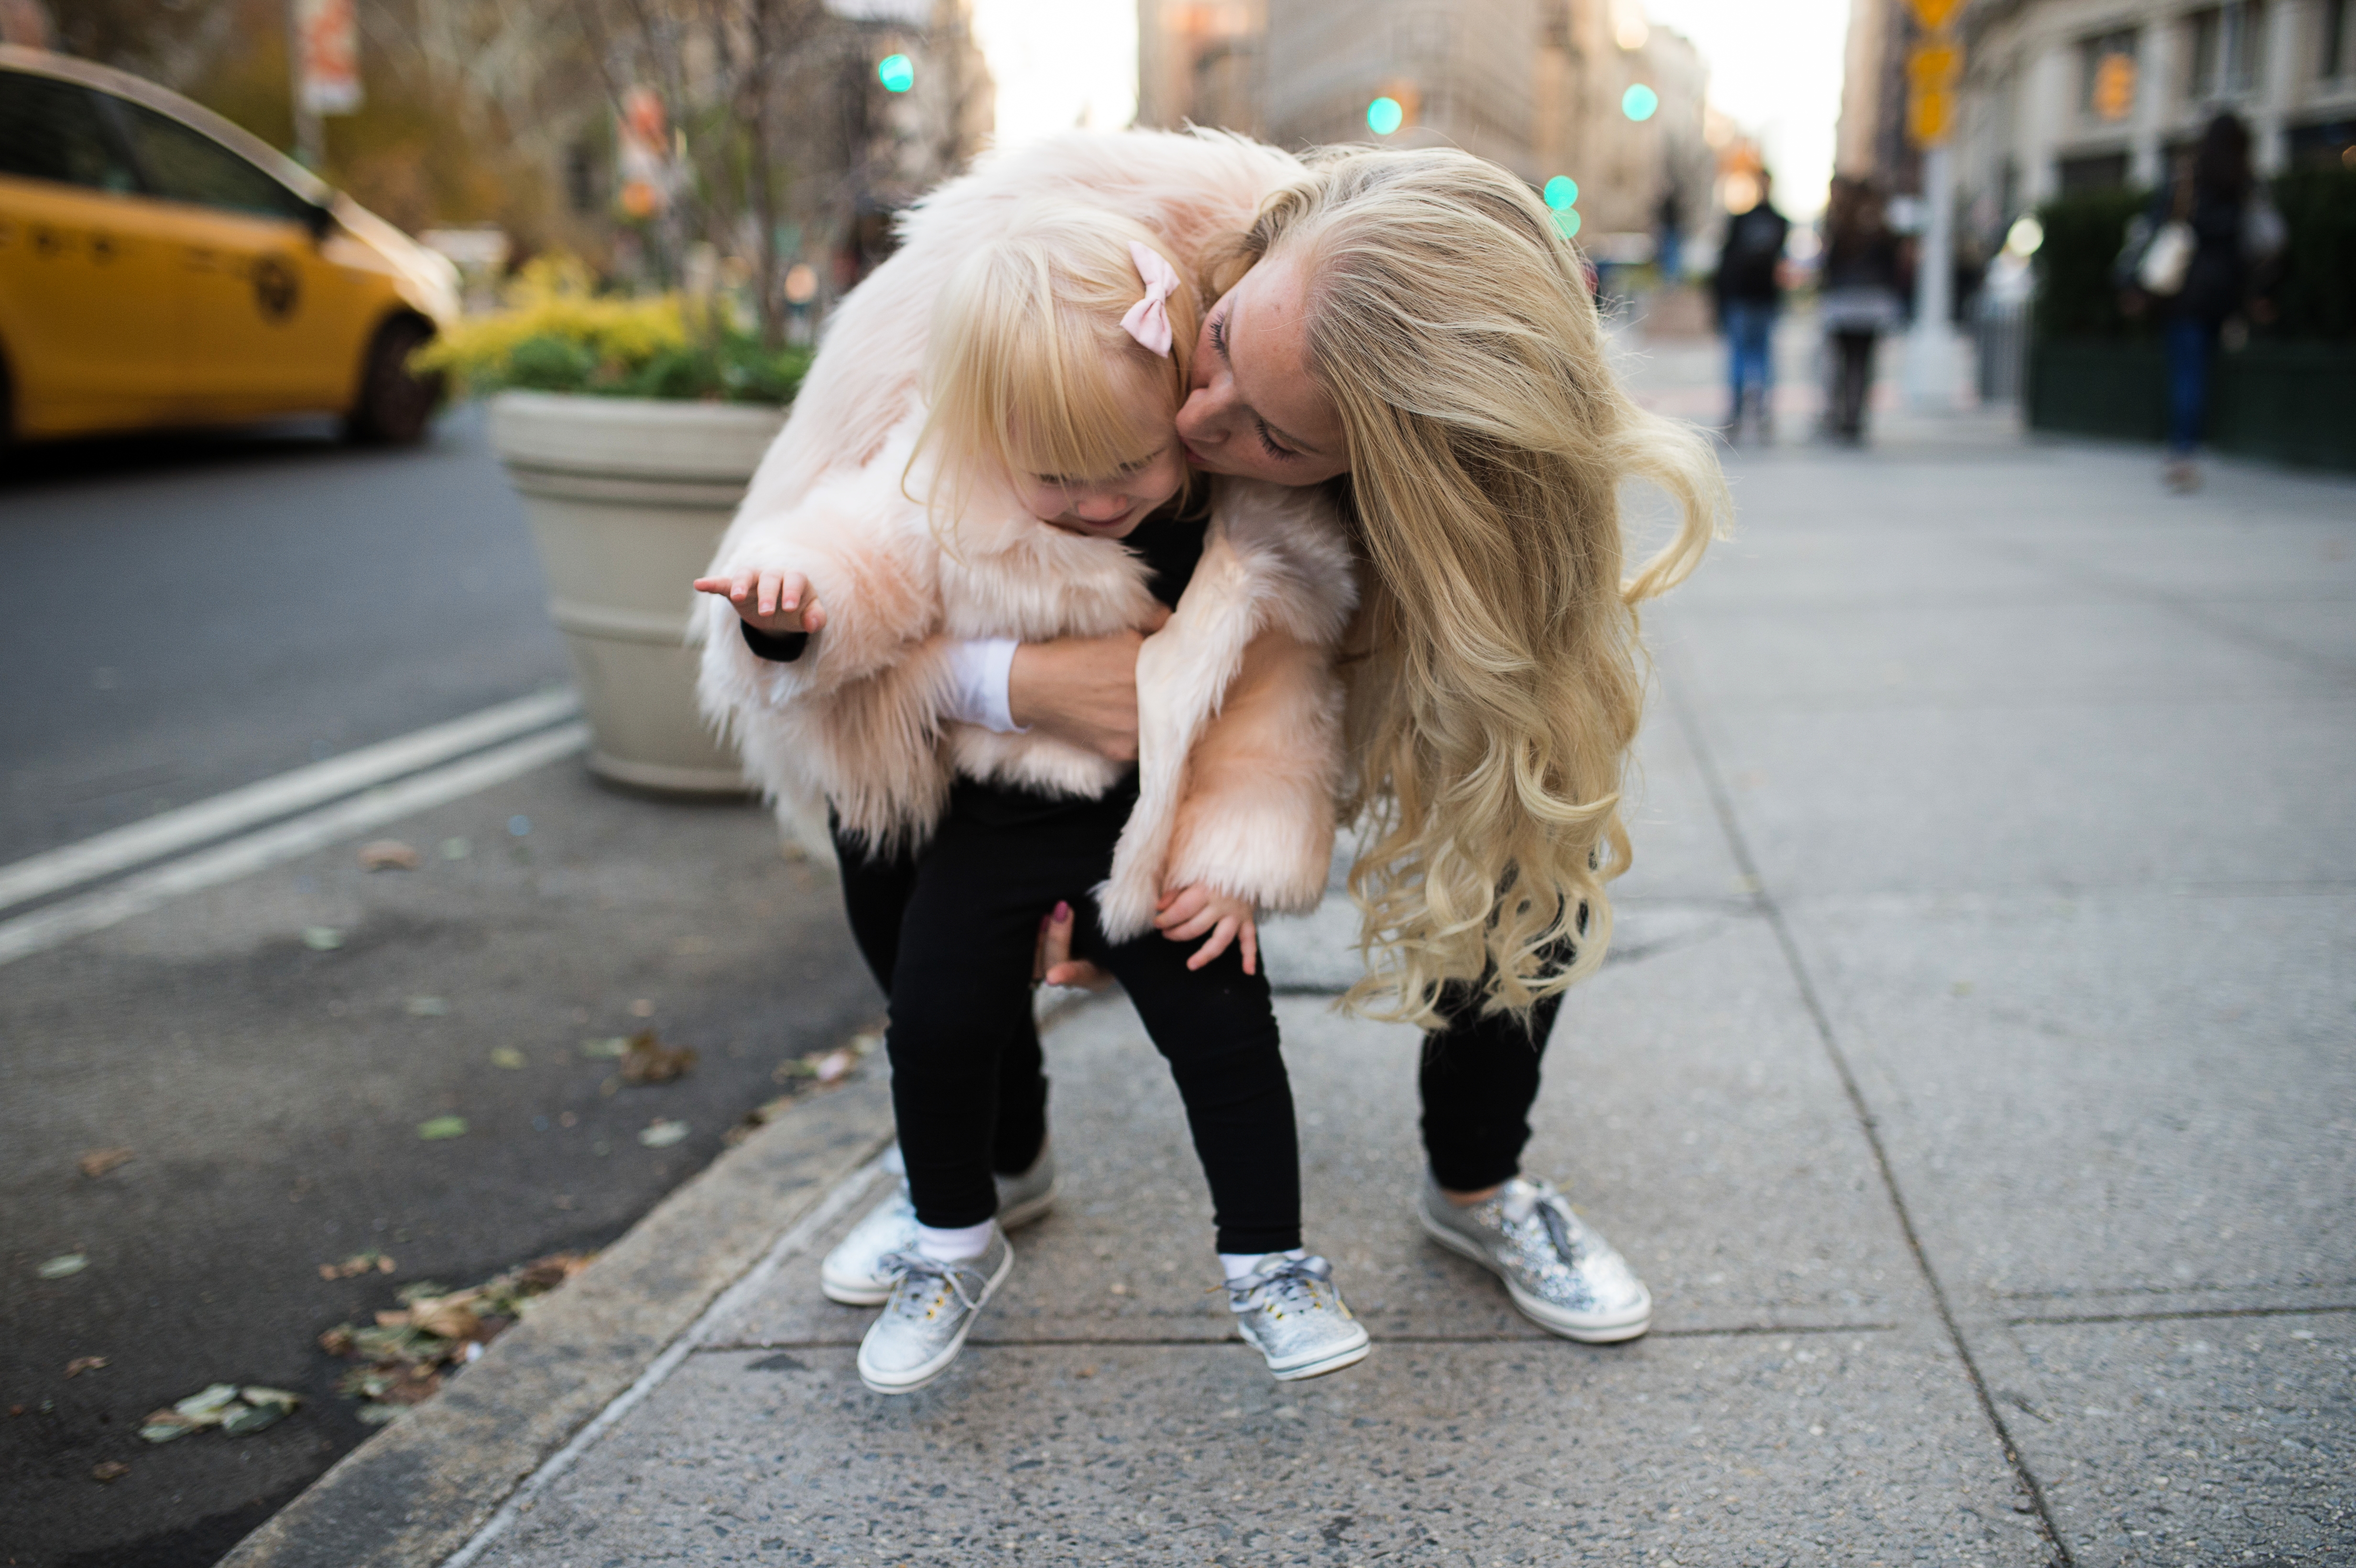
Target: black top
<point x="1746" y="268"/>
<point x="1170" y="542"/>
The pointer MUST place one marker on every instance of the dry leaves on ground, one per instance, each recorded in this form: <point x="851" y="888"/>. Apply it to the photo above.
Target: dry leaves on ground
<point x="803" y="1075"/>
<point x="109" y="1470"/>
<point x="435" y="1128"/>
<point x="59" y="1267"/>
<point x="647" y="1060"/>
<point x="408" y="1353"/>
<point x="81" y="1364"/>
<point x="390" y="855"/>
<point x="370" y="1261"/>
<point x="96" y="1162"/>
<point x="238" y="1411"/>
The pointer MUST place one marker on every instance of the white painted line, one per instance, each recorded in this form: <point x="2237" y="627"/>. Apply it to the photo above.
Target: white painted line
<point x="172" y="832"/>
<point x="797" y="1237"/>
<point x="64" y="920"/>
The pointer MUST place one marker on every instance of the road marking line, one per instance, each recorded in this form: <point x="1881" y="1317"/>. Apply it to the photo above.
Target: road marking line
<point x="96" y="910"/>
<point x="171" y="832"/>
<point x="796" y="1239"/>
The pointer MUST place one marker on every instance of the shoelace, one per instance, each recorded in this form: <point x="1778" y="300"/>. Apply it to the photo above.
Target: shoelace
<point x="1297" y="1277"/>
<point x="917" y="1266"/>
<point x="1552" y="1213"/>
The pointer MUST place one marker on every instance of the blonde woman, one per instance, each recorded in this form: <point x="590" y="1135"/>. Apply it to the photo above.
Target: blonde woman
<point x="1408" y="331"/>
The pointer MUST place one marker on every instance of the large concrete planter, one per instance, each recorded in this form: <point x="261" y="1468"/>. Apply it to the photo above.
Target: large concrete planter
<point x="628" y="499"/>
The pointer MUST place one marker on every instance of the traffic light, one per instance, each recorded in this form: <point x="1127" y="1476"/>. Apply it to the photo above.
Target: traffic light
<point x="896" y="72"/>
<point x="1639" y="102"/>
<point x="1562" y="192"/>
<point x="1385" y="115"/>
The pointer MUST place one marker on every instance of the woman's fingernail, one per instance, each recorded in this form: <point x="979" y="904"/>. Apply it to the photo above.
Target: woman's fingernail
<point x="1063" y="911"/>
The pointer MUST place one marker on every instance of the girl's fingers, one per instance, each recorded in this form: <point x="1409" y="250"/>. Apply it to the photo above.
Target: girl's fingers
<point x="1182" y="905"/>
<point x="1251" y="946"/>
<point x="767" y="601"/>
<point x="1196" y="926"/>
<point x="813" y="618"/>
<point x="1220" y="938"/>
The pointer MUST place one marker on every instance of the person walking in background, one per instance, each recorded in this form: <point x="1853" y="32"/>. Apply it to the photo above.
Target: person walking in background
<point x="1750" y="291"/>
<point x="1860" y="299"/>
<point x="2204" y="231"/>
<point x="1669" y="223"/>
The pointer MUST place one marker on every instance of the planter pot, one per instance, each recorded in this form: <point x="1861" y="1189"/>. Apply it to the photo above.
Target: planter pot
<point x="628" y="499"/>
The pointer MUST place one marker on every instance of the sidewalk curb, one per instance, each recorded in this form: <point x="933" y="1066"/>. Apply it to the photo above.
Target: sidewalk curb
<point x="420" y="1489"/>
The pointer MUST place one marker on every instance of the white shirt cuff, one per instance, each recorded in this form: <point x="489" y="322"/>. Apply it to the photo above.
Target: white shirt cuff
<point x="979" y="671"/>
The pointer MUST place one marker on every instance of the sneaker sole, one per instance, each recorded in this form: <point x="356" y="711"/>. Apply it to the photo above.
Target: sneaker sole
<point x="910" y="1381"/>
<point x="1333" y="1364"/>
<point x="872" y="1292"/>
<point x="1586" y="1331"/>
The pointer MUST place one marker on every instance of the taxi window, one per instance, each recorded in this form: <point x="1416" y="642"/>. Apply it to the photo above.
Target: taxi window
<point x="184" y="164"/>
<point x="50" y="130"/>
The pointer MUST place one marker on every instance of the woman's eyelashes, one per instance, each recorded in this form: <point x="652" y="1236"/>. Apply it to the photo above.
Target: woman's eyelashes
<point x="1268" y="441"/>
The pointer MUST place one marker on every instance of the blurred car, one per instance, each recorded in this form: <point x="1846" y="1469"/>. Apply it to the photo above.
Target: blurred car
<point x="161" y="267"/>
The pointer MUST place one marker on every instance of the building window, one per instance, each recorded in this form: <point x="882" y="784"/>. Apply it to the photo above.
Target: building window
<point x="2098" y="171"/>
<point x="2333" y="59"/>
<point x="2224" y="50"/>
<point x="2106" y="86"/>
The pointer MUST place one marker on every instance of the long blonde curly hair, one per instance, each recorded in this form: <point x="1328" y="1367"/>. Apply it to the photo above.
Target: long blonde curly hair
<point x="1501" y="679"/>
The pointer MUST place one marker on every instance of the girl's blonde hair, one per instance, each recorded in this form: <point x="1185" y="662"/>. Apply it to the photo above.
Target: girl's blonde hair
<point x="1028" y="364"/>
<point x="1503" y="679"/>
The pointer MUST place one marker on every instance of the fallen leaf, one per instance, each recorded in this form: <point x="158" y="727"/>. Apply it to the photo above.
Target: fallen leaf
<point x="442" y="1127"/>
<point x="255" y="1393"/>
<point x="647" y="1060"/>
<point x="322" y="938"/>
<point x="371" y="1261"/>
<point x="156" y="1431"/>
<point x="245" y="1420"/>
<point x="661" y="1132"/>
<point x="449" y="1317"/>
<point x="390" y="855"/>
<point x="109" y="1470"/>
<point x="207" y="1404"/>
<point x="96" y="1162"/>
<point x="81" y="1364"/>
<point x="59" y="1268"/>
<point x="546" y="1273"/>
<point x="507" y="1056"/>
<point x="376" y="1412"/>
<point x="425" y="1007"/>
<point x="609" y="1048"/>
<point x="834" y="1064"/>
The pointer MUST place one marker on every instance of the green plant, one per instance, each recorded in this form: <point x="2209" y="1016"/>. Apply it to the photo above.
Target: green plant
<point x="2076" y="297"/>
<point x="2316" y="297"/>
<point x="558" y="334"/>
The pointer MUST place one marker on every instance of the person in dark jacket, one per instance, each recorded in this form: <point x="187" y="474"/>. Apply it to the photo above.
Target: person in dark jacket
<point x="2210" y="195"/>
<point x="1750" y="291"/>
<point x="1860" y="298"/>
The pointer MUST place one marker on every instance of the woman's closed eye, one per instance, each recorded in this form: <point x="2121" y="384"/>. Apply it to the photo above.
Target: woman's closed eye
<point x="1267" y="441"/>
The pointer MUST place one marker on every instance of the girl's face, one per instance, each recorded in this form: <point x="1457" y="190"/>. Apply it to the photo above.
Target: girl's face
<point x="1110" y="508"/>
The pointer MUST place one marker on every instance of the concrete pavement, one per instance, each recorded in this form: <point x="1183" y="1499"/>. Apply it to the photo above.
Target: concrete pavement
<point x="1973" y="1083"/>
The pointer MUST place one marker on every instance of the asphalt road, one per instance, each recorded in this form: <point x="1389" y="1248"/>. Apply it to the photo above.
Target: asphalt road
<point x="182" y="615"/>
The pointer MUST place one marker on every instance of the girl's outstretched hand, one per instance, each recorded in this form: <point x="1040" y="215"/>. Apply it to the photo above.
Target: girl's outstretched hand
<point x="1188" y="912"/>
<point x="772" y="602"/>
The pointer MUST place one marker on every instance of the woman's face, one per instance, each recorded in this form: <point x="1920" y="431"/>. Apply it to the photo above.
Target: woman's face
<point x="1255" y="411"/>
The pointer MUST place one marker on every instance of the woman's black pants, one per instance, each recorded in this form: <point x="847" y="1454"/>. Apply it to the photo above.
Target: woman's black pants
<point x="967" y="1087"/>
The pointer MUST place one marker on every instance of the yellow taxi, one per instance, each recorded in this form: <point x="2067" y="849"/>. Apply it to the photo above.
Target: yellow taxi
<point x="160" y="267"/>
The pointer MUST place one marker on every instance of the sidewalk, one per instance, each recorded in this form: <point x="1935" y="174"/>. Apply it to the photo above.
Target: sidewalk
<point x="1971" y="1082"/>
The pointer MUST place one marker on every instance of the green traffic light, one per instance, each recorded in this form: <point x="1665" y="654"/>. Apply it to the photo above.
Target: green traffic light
<point x="1561" y="193"/>
<point x="1384" y="116"/>
<point x="1566" y="224"/>
<point x="896" y="72"/>
<point x="1639" y="101"/>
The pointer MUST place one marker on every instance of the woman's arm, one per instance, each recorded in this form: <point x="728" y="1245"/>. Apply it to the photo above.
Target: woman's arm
<point x="1081" y="690"/>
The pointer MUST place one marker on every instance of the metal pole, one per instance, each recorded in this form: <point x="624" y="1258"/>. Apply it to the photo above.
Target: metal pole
<point x="310" y="131"/>
<point x="1930" y="347"/>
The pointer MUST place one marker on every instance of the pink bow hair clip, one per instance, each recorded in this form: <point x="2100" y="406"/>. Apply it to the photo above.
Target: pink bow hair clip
<point x="1147" y="320"/>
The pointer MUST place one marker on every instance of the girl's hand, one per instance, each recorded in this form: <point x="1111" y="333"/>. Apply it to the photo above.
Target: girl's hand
<point x="1188" y="912"/>
<point x="772" y="602"/>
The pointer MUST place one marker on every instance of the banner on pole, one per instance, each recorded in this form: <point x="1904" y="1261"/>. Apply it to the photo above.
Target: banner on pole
<point x="327" y="56"/>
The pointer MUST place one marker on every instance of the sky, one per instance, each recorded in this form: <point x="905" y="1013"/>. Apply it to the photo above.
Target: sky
<point x="1775" y="68"/>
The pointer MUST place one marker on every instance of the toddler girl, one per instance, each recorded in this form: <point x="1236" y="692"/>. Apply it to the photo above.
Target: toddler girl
<point x="1054" y="502"/>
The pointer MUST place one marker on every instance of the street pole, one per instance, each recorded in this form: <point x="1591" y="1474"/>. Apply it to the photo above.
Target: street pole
<point x="1931" y="346"/>
<point x="310" y="131"/>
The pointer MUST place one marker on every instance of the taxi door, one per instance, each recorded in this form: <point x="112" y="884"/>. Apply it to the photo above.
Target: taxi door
<point x="90" y="295"/>
<point x="275" y="324"/>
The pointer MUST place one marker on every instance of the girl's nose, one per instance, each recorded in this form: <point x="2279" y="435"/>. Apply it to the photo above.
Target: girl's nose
<point x="1100" y="509"/>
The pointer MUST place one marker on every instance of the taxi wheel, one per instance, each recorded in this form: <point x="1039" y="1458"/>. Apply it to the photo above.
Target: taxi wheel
<point x="395" y="404"/>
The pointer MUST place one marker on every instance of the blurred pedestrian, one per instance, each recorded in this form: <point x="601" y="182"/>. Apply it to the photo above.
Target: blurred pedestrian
<point x="1750" y="293"/>
<point x="1860" y="298"/>
<point x="2191" y="261"/>
<point x="1669" y="222"/>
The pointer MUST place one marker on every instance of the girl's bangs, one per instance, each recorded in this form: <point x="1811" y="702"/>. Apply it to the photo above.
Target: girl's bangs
<point x="1068" y="415"/>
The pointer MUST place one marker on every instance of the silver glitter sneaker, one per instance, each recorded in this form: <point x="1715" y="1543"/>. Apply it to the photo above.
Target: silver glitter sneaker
<point x="931" y="1310"/>
<point x="1290" y="1312"/>
<point x="854" y="1274"/>
<point x="1563" y="1275"/>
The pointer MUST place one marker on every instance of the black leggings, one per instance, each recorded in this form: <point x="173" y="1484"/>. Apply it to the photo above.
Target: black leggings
<point x="959" y="980"/>
<point x="1480" y="1078"/>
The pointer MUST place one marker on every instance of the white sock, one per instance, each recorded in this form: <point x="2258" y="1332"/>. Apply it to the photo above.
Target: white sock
<point x="1238" y="1264"/>
<point x="958" y="1244"/>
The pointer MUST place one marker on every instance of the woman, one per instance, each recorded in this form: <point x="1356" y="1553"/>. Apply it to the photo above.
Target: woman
<point x="2211" y="197"/>
<point x="1859" y="299"/>
<point x="1407" y="330"/>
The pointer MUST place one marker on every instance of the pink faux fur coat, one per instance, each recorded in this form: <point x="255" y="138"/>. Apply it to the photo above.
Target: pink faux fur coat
<point x="1239" y="710"/>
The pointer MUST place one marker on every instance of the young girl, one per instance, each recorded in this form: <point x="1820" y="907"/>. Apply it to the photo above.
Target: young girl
<point x="1054" y="504"/>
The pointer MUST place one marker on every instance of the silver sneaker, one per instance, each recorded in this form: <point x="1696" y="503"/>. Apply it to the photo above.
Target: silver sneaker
<point x="1563" y="1275"/>
<point x="1290" y="1312"/>
<point x="853" y="1272"/>
<point x="931" y="1310"/>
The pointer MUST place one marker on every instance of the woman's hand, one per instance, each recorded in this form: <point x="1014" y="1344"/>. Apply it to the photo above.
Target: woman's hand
<point x="1081" y="690"/>
<point x="777" y="603"/>
<point x="1052" y="961"/>
<point x="1188" y="912"/>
